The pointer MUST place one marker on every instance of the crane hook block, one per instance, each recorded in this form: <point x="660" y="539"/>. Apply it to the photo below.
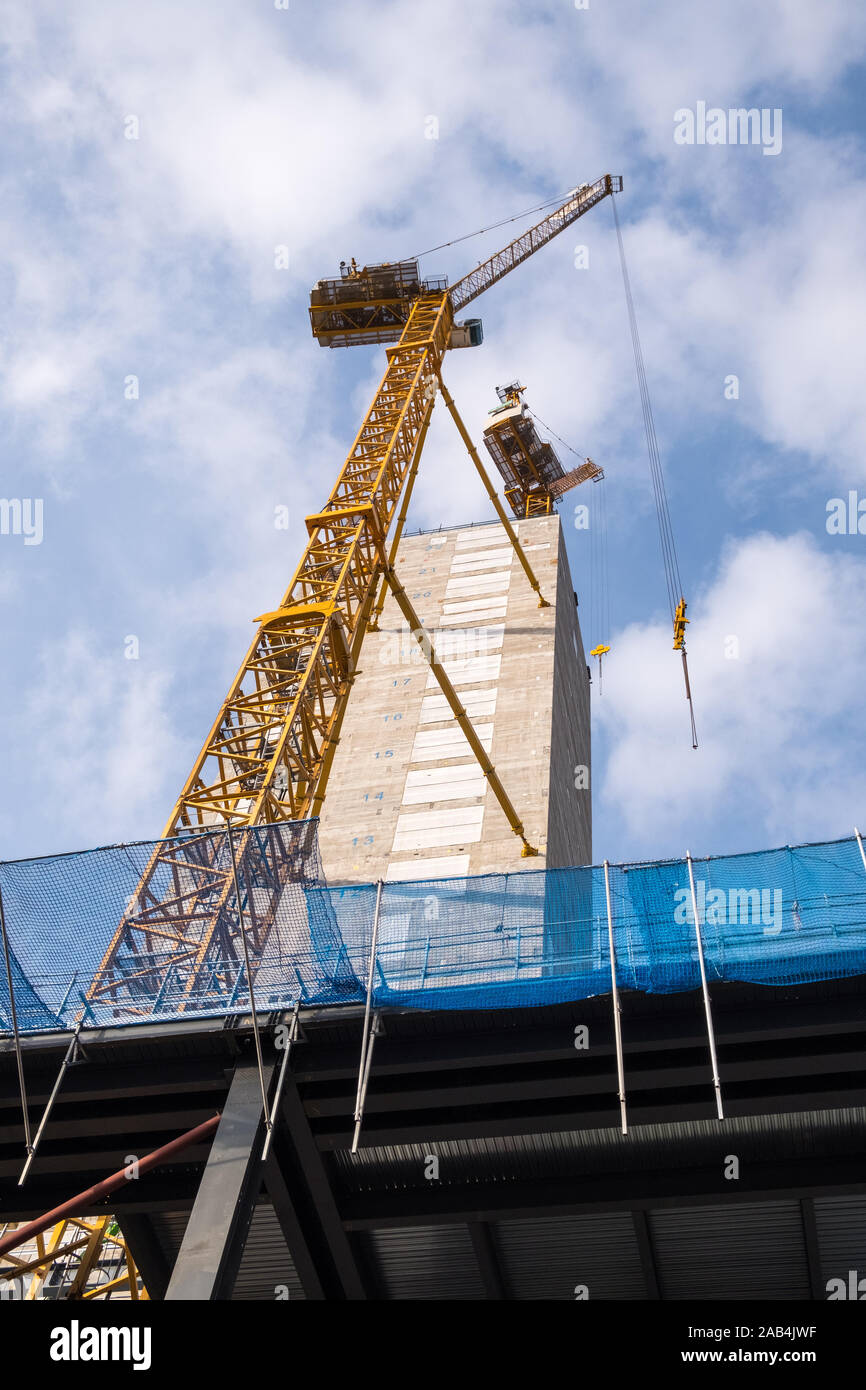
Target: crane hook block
<point x="680" y="621"/>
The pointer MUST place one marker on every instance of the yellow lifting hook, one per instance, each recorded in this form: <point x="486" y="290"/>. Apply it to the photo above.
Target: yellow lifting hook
<point x="599" y="651"/>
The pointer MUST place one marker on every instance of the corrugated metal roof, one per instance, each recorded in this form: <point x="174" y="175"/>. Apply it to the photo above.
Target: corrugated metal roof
<point x="754" y="1251"/>
<point x="552" y="1257"/>
<point x="841" y="1226"/>
<point x="266" y="1269"/>
<point x="168" y="1228"/>
<point x="426" y="1262"/>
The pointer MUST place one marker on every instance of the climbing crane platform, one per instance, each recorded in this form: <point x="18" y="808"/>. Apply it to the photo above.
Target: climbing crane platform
<point x="533" y="475"/>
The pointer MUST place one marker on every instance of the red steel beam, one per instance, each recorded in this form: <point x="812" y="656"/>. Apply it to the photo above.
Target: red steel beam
<point x="82" y="1200"/>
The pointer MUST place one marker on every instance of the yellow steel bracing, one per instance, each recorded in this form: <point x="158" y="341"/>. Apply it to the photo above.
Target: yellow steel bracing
<point x="373" y="625"/>
<point x="492" y="494"/>
<point x="425" y="642"/>
<point x="91" y="1254"/>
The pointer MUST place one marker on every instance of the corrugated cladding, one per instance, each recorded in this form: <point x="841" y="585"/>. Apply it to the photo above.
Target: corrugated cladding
<point x="426" y="1262"/>
<point x="754" y="1251"/>
<point x="552" y="1257"/>
<point x="266" y="1269"/>
<point x="841" y="1226"/>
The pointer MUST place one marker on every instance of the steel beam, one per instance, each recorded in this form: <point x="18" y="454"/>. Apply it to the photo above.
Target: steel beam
<point x="601" y="1192"/>
<point x="488" y="1261"/>
<point x="286" y="1212"/>
<point x="646" y="1253"/>
<point x="213" y="1242"/>
<point x="813" y="1248"/>
<point x="338" y="1260"/>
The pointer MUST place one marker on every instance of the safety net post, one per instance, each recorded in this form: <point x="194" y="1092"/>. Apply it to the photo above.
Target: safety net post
<point x="13" y="1015"/>
<point x="705" y="988"/>
<point x="369" y="1032"/>
<point x="617" y="1025"/>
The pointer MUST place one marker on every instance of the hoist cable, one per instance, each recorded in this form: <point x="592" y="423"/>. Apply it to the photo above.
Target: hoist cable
<point x="676" y="598"/>
<point x="557" y="437"/>
<point x="666" y="536"/>
<point x="551" y="202"/>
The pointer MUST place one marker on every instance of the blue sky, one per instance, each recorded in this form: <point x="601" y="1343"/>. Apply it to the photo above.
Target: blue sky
<point x="260" y="127"/>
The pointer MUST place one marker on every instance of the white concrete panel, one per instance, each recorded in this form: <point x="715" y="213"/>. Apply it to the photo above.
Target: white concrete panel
<point x="474" y="616"/>
<point x="415" y="870"/>
<point x="485" y="584"/>
<point x="471" y="671"/>
<point x="461" y="825"/>
<point x="469" y="640"/>
<point x="466" y="604"/>
<point x="482" y="559"/>
<point x="456" y="783"/>
<point x="481" y="535"/>
<point x="527" y="548"/>
<point x="441" y="776"/>
<point x="444" y="743"/>
<point x="435" y="708"/>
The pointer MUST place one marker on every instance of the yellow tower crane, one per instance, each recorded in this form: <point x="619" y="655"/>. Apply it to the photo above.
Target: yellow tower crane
<point x="269" y="751"/>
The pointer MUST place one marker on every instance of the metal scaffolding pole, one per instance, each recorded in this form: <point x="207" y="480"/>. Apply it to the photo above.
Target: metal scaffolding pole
<point x="64" y="1067"/>
<point x="707" y="1010"/>
<point x="368" y="1032"/>
<point x="250" y="990"/>
<point x="617" y="1009"/>
<point x="14" y="1016"/>
<point x="860" y="843"/>
<point x="278" y="1094"/>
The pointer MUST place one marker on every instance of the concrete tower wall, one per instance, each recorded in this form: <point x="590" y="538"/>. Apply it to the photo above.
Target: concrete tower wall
<point x="406" y="798"/>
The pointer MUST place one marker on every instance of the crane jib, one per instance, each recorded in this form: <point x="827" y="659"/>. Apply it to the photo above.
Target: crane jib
<point x="530" y="241"/>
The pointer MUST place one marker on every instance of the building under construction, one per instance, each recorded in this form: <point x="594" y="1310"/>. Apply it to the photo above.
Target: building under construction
<point x="370" y="1019"/>
<point x="405" y="775"/>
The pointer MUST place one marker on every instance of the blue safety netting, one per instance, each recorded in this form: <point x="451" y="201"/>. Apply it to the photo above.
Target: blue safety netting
<point x="777" y="917"/>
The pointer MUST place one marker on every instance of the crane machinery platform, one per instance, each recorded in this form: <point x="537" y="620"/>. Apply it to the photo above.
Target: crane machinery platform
<point x="533" y="475"/>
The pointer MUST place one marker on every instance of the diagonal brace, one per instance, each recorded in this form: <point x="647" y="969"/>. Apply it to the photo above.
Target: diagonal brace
<point x="492" y="493"/>
<point x="425" y="642"/>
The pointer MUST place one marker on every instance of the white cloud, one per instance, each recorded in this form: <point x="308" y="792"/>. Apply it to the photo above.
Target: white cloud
<point x="104" y="751"/>
<point x="778" y="724"/>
